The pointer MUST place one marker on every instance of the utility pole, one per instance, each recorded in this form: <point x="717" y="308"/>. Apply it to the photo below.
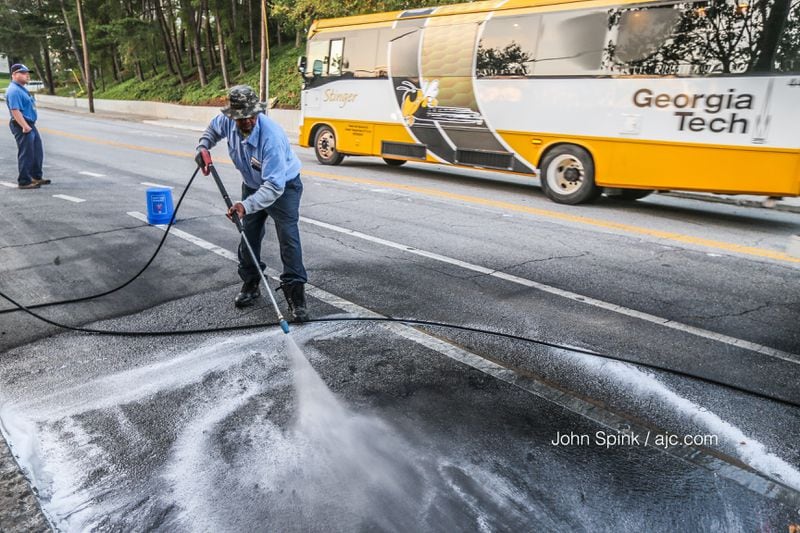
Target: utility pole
<point x="263" y="88"/>
<point x="86" y="67"/>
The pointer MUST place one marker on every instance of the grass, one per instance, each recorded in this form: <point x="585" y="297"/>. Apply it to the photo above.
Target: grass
<point x="284" y="84"/>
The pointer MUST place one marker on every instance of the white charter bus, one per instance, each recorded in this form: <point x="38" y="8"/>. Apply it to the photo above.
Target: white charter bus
<point x="586" y="95"/>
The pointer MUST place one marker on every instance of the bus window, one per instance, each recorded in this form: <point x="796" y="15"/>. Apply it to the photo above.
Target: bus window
<point x="571" y="44"/>
<point x="337" y="48"/>
<point x="642" y="32"/>
<point x="405" y="50"/>
<point x="318" y="57"/>
<point x="359" y="54"/>
<point x="787" y="56"/>
<point x="507" y="46"/>
<point x="706" y="38"/>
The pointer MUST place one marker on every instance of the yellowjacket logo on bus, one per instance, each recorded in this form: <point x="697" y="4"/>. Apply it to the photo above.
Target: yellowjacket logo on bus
<point x="415" y="97"/>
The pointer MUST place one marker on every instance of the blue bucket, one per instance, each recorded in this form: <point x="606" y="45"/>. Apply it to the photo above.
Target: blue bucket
<point x="159" y="205"/>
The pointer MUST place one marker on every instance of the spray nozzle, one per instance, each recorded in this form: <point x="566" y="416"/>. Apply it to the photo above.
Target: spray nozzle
<point x="284" y="326"/>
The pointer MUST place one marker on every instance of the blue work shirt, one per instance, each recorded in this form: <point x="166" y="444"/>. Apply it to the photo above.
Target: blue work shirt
<point x="266" y="147"/>
<point x="18" y="97"/>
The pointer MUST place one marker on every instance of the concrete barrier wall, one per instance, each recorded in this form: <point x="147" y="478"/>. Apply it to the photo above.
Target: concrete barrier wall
<point x="192" y="115"/>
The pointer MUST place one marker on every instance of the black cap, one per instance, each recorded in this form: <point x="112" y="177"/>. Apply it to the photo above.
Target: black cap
<point x="19" y="67"/>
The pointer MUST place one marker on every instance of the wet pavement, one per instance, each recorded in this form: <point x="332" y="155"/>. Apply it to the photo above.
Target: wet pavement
<point x="186" y="434"/>
<point x="424" y="428"/>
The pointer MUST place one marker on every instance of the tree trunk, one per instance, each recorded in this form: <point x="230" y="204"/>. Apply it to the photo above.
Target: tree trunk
<point x="236" y="40"/>
<point x="186" y="48"/>
<point x="48" y="70"/>
<point x="72" y="41"/>
<point x="137" y="66"/>
<point x="263" y="86"/>
<point x="221" y="43"/>
<point x="278" y="32"/>
<point x="771" y="35"/>
<point x="159" y="13"/>
<point x="177" y="44"/>
<point x="194" y="35"/>
<point x="212" y="62"/>
<point x="115" y="68"/>
<point x="86" y="64"/>
<point x="251" y="21"/>
<point x="298" y="38"/>
<point x="37" y="63"/>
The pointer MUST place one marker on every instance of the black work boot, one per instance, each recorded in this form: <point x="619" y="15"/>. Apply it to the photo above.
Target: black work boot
<point x="248" y="295"/>
<point x="295" y="294"/>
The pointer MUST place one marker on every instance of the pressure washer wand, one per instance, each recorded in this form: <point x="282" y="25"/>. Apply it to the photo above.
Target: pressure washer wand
<point x="282" y="321"/>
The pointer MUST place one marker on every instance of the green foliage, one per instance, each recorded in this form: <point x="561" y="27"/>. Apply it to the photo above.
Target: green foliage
<point x="143" y="40"/>
<point x="284" y="84"/>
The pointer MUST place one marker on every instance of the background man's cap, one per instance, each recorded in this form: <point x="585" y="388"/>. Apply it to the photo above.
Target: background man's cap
<point x="243" y="103"/>
<point x="19" y="67"/>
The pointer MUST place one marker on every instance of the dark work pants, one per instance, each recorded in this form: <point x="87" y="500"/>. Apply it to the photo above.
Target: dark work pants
<point x="30" y="153"/>
<point x="286" y="214"/>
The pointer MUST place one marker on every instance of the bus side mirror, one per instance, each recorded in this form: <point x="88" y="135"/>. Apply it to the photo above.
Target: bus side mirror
<point x="301" y="65"/>
<point x="317" y="69"/>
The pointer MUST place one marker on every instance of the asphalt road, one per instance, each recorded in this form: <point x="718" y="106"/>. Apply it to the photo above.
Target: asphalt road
<point x="394" y="426"/>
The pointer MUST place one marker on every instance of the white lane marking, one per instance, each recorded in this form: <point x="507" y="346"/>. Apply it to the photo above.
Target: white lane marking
<point x="151" y="184"/>
<point x="8" y="184"/>
<point x="665" y="322"/>
<point x="69" y="198"/>
<point x="761" y="483"/>
<point x="189" y="237"/>
<point x="92" y="174"/>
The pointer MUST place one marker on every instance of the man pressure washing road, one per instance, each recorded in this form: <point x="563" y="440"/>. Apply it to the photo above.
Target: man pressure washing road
<point x="271" y="188"/>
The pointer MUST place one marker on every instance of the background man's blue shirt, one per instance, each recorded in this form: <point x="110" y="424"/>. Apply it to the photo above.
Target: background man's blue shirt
<point x="18" y="97"/>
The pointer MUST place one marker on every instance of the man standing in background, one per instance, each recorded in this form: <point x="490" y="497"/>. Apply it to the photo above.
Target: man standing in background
<point x="22" y="106"/>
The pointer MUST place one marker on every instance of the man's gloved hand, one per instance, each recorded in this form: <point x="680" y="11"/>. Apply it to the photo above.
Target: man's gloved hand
<point x="203" y="159"/>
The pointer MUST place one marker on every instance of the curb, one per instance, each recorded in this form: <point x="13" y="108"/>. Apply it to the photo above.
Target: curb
<point x="20" y="509"/>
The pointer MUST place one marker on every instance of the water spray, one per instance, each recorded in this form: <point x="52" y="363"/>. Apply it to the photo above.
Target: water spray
<point x="240" y="226"/>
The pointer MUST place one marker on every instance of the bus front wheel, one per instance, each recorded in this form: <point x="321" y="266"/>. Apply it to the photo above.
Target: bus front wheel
<point x="567" y="175"/>
<point x="325" y="147"/>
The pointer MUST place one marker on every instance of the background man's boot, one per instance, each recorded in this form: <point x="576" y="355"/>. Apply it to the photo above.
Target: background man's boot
<point x="248" y="295"/>
<point x="295" y="294"/>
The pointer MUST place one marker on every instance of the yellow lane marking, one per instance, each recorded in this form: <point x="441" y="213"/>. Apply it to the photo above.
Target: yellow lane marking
<point x="116" y="144"/>
<point x="598" y="223"/>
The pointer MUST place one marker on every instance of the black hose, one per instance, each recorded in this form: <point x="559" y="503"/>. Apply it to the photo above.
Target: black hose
<point x="29" y="310"/>
<point x="119" y="287"/>
<point x="411" y="321"/>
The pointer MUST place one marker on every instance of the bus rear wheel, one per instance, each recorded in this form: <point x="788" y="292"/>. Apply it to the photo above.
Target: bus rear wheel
<point x="394" y="162"/>
<point x="567" y="175"/>
<point x="325" y="147"/>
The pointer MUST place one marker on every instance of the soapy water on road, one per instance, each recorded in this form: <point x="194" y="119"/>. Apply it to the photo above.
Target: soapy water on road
<point x="243" y="434"/>
<point x="258" y="438"/>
